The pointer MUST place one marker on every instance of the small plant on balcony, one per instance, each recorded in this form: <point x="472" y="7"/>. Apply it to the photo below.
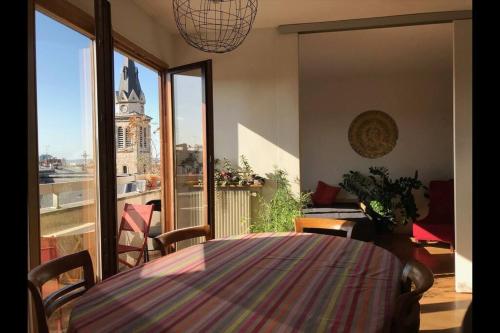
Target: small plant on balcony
<point x="389" y="202"/>
<point x="229" y="175"/>
<point x="152" y="181"/>
<point x="278" y="214"/>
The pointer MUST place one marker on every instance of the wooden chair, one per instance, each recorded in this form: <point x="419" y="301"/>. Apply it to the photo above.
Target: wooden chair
<point x="314" y="224"/>
<point x="135" y="218"/>
<point x="407" y="313"/>
<point x="166" y="241"/>
<point x="467" y="321"/>
<point x="39" y="275"/>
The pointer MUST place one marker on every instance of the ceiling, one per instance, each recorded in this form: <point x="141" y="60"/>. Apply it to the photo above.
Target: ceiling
<point x="418" y="49"/>
<point x="272" y="13"/>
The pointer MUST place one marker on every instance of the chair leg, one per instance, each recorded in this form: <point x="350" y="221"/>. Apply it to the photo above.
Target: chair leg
<point x="146" y="253"/>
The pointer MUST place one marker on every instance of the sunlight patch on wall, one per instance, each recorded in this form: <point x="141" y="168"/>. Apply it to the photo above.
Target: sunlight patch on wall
<point x="263" y="155"/>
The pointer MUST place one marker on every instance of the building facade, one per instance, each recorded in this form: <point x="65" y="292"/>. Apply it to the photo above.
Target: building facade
<point x="132" y="125"/>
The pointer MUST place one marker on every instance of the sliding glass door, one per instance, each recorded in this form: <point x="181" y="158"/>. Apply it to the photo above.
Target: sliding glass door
<point x="192" y="140"/>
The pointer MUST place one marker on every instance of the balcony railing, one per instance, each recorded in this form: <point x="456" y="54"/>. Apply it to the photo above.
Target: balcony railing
<point x="73" y="224"/>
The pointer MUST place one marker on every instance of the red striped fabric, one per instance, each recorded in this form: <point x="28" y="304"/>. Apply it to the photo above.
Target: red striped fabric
<point x="279" y="282"/>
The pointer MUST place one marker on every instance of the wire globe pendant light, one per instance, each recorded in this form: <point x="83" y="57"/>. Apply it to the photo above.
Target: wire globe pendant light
<point x="215" y="26"/>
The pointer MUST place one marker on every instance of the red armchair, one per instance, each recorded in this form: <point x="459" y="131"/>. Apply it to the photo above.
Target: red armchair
<point x="439" y="224"/>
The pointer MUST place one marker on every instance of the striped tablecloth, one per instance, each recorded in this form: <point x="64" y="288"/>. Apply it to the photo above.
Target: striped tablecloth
<point x="268" y="282"/>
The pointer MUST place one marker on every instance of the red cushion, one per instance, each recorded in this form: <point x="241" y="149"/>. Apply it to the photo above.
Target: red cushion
<point x="325" y="194"/>
<point x="441" y="207"/>
<point x="434" y="232"/>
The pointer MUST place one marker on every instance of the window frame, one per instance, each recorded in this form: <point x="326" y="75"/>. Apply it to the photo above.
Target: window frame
<point x="77" y="19"/>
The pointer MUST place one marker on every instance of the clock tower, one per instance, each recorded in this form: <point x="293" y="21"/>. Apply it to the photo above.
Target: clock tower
<point x="132" y="125"/>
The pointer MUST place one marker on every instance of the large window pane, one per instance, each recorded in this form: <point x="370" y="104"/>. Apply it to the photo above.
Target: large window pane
<point x="67" y="157"/>
<point x="137" y="130"/>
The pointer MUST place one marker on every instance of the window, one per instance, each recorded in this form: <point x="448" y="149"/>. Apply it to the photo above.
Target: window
<point x="128" y="140"/>
<point x="66" y="141"/>
<point x="143" y="164"/>
<point x="80" y="93"/>
<point x="120" y="137"/>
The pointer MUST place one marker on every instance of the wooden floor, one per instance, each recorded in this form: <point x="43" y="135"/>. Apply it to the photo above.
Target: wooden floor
<point x="442" y="309"/>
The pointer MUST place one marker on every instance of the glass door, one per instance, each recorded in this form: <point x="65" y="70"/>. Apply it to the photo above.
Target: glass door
<point x="192" y="146"/>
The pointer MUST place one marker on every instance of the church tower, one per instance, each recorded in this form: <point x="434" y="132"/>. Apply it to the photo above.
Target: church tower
<point x="132" y="125"/>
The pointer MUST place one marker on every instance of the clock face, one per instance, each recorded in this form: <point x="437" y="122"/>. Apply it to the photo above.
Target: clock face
<point x="123" y="108"/>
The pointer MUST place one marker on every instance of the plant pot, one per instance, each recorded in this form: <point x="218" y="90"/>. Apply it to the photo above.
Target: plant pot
<point x="382" y="228"/>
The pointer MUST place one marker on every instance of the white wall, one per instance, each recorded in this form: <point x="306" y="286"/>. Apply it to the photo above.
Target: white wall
<point x="463" y="154"/>
<point x="133" y="23"/>
<point x="255" y="100"/>
<point x="420" y="102"/>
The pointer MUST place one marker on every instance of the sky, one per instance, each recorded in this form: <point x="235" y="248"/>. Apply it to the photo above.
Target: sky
<point x="187" y="104"/>
<point x="64" y="91"/>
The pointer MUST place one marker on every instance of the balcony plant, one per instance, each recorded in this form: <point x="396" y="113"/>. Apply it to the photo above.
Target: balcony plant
<point x="229" y="175"/>
<point x="388" y="202"/>
<point x="152" y="181"/>
<point x="278" y="214"/>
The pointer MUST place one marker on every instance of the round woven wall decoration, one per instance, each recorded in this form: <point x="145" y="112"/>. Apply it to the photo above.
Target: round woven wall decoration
<point x="373" y="134"/>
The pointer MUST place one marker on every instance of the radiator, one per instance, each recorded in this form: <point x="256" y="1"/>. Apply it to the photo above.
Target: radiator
<point x="232" y="212"/>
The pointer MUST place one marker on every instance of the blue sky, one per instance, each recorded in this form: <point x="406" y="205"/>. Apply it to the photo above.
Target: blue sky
<point x="64" y="90"/>
<point x="187" y="108"/>
<point x="64" y="94"/>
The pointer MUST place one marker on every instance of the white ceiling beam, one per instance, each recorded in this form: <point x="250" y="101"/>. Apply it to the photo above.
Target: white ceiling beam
<point x="376" y="22"/>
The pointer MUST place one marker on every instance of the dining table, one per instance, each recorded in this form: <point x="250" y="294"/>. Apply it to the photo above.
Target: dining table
<point x="256" y="282"/>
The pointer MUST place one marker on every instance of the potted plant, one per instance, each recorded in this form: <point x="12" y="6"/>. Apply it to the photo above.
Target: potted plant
<point x="229" y="175"/>
<point x="278" y="213"/>
<point x="388" y="202"/>
<point x="152" y="181"/>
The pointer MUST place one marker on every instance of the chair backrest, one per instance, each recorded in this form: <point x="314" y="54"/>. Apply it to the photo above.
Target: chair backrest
<point x="156" y="204"/>
<point x="165" y="241"/>
<point x="39" y="275"/>
<point x="441" y="201"/>
<point x="136" y="218"/>
<point x="407" y="312"/>
<point x="314" y="224"/>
